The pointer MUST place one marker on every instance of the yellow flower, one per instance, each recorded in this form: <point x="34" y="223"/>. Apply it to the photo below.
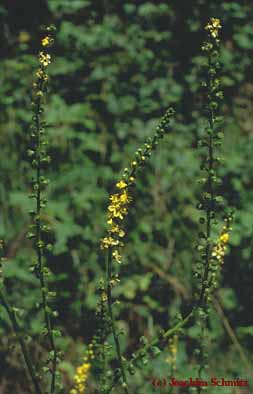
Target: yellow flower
<point x="213" y="27"/>
<point x="117" y="211"/>
<point x="116" y="229"/>
<point x="114" y="198"/>
<point x="41" y="75"/>
<point x="108" y="241"/>
<point x="124" y="197"/>
<point x="216" y="23"/>
<point x="44" y="59"/>
<point x="46" y="41"/>
<point x="117" y="257"/>
<point x="39" y="93"/>
<point x="224" y="238"/>
<point x="121" y="185"/>
<point x="114" y="280"/>
<point x="121" y="233"/>
<point x="221" y="246"/>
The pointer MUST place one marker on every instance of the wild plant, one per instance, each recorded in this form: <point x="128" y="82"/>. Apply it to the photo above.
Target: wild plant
<point x="212" y="250"/>
<point x="211" y="203"/>
<point x="104" y="358"/>
<point x="40" y="228"/>
<point x="44" y="378"/>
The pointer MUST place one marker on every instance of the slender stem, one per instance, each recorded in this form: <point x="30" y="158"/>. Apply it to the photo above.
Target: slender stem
<point x="109" y="301"/>
<point x="210" y="206"/>
<point x="167" y="334"/>
<point x="25" y="352"/>
<point x="209" y="216"/>
<point x="39" y="250"/>
<point x="232" y="335"/>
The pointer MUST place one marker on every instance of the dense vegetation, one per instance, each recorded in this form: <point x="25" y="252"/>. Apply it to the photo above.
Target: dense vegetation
<point x="116" y="68"/>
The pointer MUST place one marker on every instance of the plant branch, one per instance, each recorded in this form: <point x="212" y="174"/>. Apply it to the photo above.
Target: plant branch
<point x="165" y="335"/>
<point x="232" y="335"/>
<point x="29" y="363"/>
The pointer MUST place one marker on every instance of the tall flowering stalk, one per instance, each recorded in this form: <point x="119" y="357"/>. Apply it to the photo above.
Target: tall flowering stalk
<point x="113" y="242"/>
<point x="39" y="229"/>
<point x="39" y="158"/>
<point x="210" y="202"/>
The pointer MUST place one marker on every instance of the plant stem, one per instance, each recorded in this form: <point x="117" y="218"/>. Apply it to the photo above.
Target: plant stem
<point x="39" y="249"/>
<point x="232" y="335"/>
<point x="209" y="210"/>
<point x="109" y="301"/>
<point x="26" y="355"/>
<point x="165" y="335"/>
<point x="209" y="204"/>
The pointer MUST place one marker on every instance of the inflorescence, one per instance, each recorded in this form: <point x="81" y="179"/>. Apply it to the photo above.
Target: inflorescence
<point x="210" y="201"/>
<point x="119" y="201"/>
<point x="207" y="269"/>
<point x="39" y="230"/>
<point x="81" y="375"/>
<point x="113" y="242"/>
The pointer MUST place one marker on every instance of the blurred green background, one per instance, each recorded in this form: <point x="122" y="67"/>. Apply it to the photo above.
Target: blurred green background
<point x="117" y="66"/>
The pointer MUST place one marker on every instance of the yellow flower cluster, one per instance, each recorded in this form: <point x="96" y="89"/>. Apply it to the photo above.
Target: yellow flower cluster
<point x="42" y="75"/>
<point x="81" y="376"/>
<point x="119" y="202"/>
<point x="213" y="27"/>
<point x="80" y="379"/>
<point x="44" y="59"/>
<point x="220" y="248"/>
<point x="117" y="210"/>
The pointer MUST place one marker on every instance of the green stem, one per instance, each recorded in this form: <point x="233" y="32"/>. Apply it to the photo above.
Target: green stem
<point x="39" y="251"/>
<point x="109" y="301"/>
<point x="209" y="211"/>
<point x="22" y="343"/>
<point x="167" y="334"/>
<point x="211" y="205"/>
